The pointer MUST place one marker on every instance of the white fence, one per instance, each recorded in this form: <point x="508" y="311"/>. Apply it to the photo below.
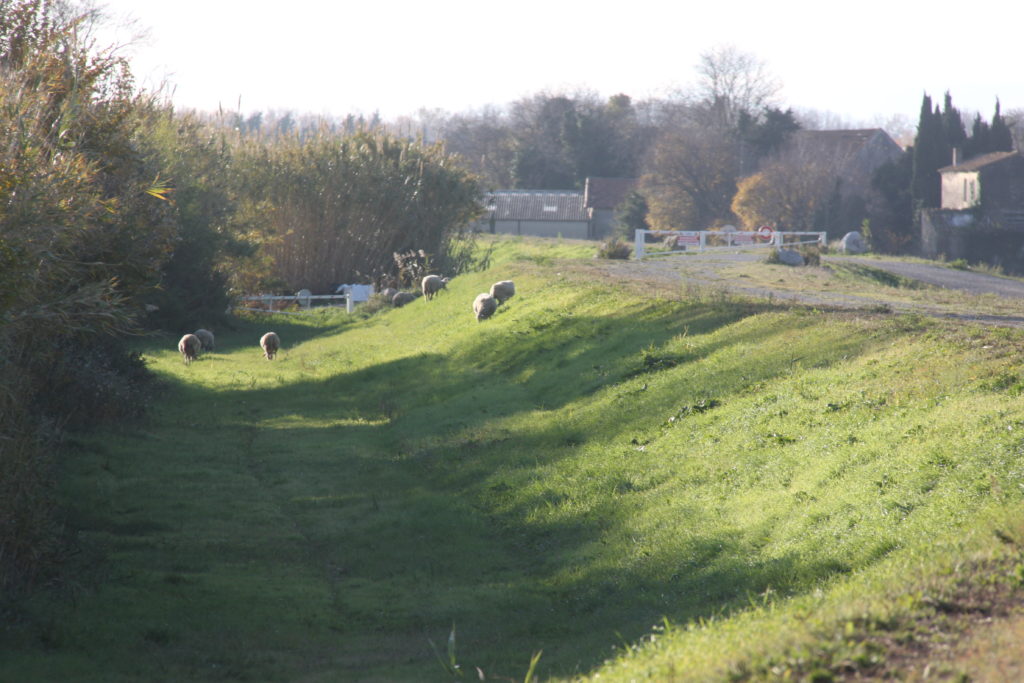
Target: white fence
<point x="716" y="240"/>
<point x="266" y="303"/>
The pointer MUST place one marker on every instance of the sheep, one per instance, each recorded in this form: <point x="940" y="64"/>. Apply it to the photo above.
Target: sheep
<point x="402" y="298"/>
<point x="503" y="291"/>
<point x="432" y="284"/>
<point x="270" y="343"/>
<point x="388" y="293"/>
<point x="484" y="306"/>
<point x="189" y="347"/>
<point x="206" y="337"/>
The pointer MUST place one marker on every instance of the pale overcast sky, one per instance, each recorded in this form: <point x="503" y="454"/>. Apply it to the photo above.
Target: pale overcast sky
<point x="865" y="61"/>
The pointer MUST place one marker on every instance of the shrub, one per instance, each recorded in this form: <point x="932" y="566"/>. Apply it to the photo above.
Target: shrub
<point x="614" y="248"/>
<point x="811" y="254"/>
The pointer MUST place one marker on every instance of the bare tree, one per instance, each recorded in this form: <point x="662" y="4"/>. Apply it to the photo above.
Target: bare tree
<point x="730" y="82"/>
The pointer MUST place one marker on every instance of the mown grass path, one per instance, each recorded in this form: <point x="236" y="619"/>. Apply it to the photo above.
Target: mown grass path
<point x="591" y="468"/>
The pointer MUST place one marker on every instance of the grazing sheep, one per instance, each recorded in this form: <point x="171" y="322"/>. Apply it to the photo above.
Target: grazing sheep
<point x="388" y="293"/>
<point x="484" y="306"/>
<point x="189" y="347"/>
<point x="432" y="284"/>
<point x="206" y="337"/>
<point x="402" y="298"/>
<point x="503" y="291"/>
<point x="270" y="343"/>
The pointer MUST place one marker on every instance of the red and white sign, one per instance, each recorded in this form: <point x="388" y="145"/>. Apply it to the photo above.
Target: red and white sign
<point x="765" y="232"/>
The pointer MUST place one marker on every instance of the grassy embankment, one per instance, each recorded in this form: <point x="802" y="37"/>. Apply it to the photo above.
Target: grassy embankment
<point x="688" y="487"/>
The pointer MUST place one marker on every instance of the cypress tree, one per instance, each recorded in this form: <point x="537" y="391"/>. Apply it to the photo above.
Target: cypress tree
<point x="980" y="142"/>
<point x="953" y="124"/>
<point x="1000" y="137"/>
<point x="931" y="152"/>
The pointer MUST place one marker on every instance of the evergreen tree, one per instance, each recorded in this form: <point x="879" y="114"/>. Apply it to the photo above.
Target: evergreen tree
<point x="953" y="124"/>
<point x="1000" y="137"/>
<point x="979" y="142"/>
<point x="931" y="152"/>
<point x="631" y="215"/>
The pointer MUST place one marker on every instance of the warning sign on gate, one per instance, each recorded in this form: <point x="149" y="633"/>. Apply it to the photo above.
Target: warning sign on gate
<point x="765" y="232"/>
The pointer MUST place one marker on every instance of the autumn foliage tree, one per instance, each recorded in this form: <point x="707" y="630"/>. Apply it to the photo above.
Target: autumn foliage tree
<point x="789" y="194"/>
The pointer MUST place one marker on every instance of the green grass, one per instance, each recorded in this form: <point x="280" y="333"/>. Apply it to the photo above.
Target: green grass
<point x="638" y="488"/>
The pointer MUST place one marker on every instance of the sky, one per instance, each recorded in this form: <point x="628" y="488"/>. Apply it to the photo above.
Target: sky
<point x="864" y="62"/>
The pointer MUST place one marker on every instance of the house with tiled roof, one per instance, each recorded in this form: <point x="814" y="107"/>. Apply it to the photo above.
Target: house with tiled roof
<point x="981" y="218"/>
<point x="999" y="174"/>
<point x="855" y="154"/>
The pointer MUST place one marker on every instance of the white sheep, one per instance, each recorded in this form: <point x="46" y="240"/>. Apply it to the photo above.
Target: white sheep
<point x="484" y="306"/>
<point x="432" y="284"/>
<point x="189" y="347"/>
<point x="206" y="337"/>
<point x="270" y="343"/>
<point x="503" y="291"/>
<point x="402" y="298"/>
<point x="388" y="293"/>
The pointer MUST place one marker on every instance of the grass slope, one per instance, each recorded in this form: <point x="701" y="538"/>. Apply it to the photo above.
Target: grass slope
<point x="683" y="487"/>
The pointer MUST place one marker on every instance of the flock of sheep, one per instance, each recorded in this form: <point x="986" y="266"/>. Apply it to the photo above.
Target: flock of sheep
<point x="484" y="306"/>
<point x="191" y="345"/>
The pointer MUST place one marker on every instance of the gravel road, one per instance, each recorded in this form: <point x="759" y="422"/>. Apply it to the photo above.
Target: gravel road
<point x="705" y="270"/>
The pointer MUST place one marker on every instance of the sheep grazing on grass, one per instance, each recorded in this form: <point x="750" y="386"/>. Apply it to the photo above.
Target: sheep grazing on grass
<point x="388" y="293"/>
<point x="402" y="298"/>
<point x="503" y="291"/>
<point x="432" y="284"/>
<point x="189" y="347"/>
<point x="484" y="306"/>
<point x="270" y="343"/>
<point x="206" y="337"/>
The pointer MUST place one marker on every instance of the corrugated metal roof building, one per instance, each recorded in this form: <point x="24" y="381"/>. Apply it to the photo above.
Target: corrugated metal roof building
<point x="542" y="213"/>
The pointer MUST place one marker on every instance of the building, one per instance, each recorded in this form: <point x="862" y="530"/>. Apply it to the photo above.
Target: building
<point x="556" y="213"/>
<point x="601" y="196"/>
<point x="981" y="218"/>
<point x="541" y="213"/>
<point x="999" y="174"/>
<point x="855" y="155"/>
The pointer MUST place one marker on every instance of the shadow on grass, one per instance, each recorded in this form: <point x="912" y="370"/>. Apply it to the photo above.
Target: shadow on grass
<point x="421" y="485"/>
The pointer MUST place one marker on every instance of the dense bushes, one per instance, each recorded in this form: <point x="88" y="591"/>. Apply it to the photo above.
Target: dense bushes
<point x="116" y="213"/>
<point x="83" y="232"/>
<point x="339" y="207"/>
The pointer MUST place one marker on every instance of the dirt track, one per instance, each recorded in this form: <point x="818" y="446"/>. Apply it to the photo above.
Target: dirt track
<point x="706" y="270"/>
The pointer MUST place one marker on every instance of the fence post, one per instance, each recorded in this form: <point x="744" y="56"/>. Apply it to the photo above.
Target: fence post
<point x="348" y="302"/>
<point x="638" y="244"/>
<point x="702" y="242"/>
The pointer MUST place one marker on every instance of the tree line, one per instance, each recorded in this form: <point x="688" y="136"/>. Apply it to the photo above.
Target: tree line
<point x="718" y="153"/>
